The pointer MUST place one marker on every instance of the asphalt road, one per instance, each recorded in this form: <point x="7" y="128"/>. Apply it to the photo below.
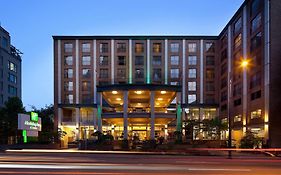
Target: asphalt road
<point x="128" y="164"/>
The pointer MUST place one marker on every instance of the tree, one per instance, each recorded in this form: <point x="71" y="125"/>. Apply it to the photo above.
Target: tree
<point x="250" y="140"/>
<point x="9" y="118"/>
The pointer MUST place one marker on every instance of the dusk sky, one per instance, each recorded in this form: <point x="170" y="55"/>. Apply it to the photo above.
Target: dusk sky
<point x="32" y="23"/>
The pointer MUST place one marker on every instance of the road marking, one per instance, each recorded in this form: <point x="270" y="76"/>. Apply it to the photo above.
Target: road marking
<point x="116" y="167"/>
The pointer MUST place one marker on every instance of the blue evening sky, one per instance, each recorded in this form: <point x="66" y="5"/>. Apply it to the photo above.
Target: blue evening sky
<point x="31" y="24"/>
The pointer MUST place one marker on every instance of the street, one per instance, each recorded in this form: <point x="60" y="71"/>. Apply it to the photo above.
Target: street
<point x="133" y="164"/>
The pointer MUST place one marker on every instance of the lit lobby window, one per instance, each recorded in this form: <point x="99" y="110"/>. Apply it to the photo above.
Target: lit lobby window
<point x="256" y="114"/>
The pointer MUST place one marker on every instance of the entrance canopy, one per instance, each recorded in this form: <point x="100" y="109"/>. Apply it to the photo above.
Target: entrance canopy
<point x="139" y="95"/>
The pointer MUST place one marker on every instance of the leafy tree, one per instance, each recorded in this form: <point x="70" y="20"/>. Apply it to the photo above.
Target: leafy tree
<point x="250" y="140"/>
<point x="9" y="118"/>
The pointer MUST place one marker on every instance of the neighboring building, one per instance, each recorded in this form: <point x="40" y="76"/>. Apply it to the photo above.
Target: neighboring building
<point x="151" y="86"/>
<point x="10" y="68"/>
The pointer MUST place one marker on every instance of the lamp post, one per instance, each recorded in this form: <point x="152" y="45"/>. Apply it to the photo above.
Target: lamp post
<point x="243" y="65"/>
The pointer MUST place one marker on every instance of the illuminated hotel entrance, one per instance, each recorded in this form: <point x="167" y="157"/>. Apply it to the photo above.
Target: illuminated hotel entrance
<point x="139" y="111"/>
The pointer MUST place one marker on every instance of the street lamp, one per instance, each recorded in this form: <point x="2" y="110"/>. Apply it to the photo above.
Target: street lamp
<point x="244" y="64"/>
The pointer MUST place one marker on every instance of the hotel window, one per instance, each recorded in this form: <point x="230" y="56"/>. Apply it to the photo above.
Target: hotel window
<point x="103" y="47"/>
<point x="157" y="75"/>
<point x="86" y="73"/>
<point x="238" y="118"/>
<point x="139" y="73"/>
<point x="191" y="86"/>
<point x="156" y="47"/>
<point x="256" y="23"/>
<point x="121" y="47"/>
<point x="175" y="47"/>
<point x="237" y="102"/>
<point x="121" y="73"/>
<point x="174" y="83"/>
<point x="175" y="73"/>
<point x="237" y="89"/>
<point x="12" y="66"/>
<point x="12" y="90"/>
<point x="174" y="60"/>
<point x="4" y="42"/>
<point x="192" y="47"/>
<point x="210" y="47"/>
<point x="12" y="78"/>
<point x="256" y="114"/>
<point x="210" y="99"/>
<point x="210" y="73"/>
<point x="139" y="60"/>
<point x="86" y="60"/>
<point x="121" y="60"/>
<point x="223" y="83"/>
<point x="255" y="6"/>
<point x="69" y="99"/>
<point x="224" y="107"/>
<point x="68" y="61"/>
<point x="68" y="73"/>
<point x="86" y="99"/>
<point x="256" y="95"/>
<point x="139" y="47"/>
<point x="191" y="73"/>
<point x="223" y="68"/>
<point x="255" y="80"/>
<point x="86" y="47"/>
<point x="237" y="41"/>
<point x="86" y="86"/>
<point x="68" y="47"/>
<point x="156" y="61"/>
<point x="210" y="86"/>
<point x="103" y="60"/>
<point x="192" y="60"/>
<point x="103" y="73"/>
<point x="237" y="26"/>
<point x="223" y="96"/>
<point x="210" y="60"/>
<point x="68" y="86"/>
<point x="191" y="98"/>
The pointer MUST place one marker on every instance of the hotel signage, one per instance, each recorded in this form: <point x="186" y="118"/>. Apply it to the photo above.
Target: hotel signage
<point x="29" y="124"/>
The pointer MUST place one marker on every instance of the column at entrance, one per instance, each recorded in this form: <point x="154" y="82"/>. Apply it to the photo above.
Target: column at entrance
<point x="125" y="114"/>
<point x="77" y="123"/>
<point x="99" y="112"/>
<point x="179" y="117"/>
<point x="152" y="115"/>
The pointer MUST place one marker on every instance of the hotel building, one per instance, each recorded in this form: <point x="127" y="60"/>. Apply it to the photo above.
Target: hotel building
<point x="10" y="68"/>
<point x="151" y="86"/>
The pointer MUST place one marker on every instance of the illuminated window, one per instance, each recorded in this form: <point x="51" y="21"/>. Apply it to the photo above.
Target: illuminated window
<point x="191" y="98"/>
<point x="68" y="61"/>
<point x="191" y="73"/>
<point x="256" y="114"/>
<point x="12" y="66"/>
<point x="156" y="47"/>
<point x="175" y="73"/>
<point x="210" y="73"/>
<point x="238" y="118"/>
<point x="86" y="47"/>
<point x="192" y="47"/>
<point x="174" y="60"/>
<point x="86" y="86"/>
<point x="68" y="73"/>
<point x="86" y="60"/>
<point x="68" y="47"/>
<point x="192" y="60"/>
<point x="86" y="73"/>
<point x="175" y="47"/>
<point x="139" y="47"/>
<point x="191" y="86"/>
<point x="104" y="60"/>
<point x="237" y="41"/>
